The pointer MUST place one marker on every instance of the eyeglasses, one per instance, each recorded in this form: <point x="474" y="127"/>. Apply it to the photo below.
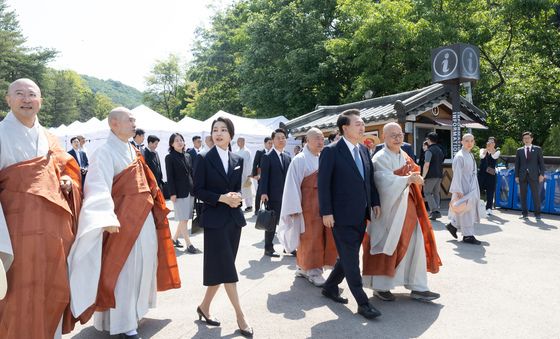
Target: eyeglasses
<point x="397" y="136"/>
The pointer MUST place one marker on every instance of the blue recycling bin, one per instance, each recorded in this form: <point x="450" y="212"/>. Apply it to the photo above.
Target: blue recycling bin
<point x="553" y="196"/>
<point x="505" y="180"/>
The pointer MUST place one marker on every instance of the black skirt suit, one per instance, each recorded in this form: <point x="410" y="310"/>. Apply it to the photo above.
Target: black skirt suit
<point x="222" y="224"/>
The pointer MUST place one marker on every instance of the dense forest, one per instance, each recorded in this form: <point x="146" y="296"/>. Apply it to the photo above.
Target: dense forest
<point x="261" y="58"/>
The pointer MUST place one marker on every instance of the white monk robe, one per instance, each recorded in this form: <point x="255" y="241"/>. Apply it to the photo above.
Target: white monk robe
<point x="246" y="183"/>
<point x="18" y="143"/>
<point x="135" y="291"/>
<point x="290" y="228"/>
<point x="465" y="181"/>
<point x="385" y="231"/>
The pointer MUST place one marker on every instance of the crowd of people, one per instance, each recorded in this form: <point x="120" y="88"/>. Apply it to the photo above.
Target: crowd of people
<point x="84" y="237"/>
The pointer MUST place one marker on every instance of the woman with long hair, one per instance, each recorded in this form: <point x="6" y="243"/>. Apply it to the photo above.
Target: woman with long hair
<point x="217" y="182"/>
<point x="178" y="166"/>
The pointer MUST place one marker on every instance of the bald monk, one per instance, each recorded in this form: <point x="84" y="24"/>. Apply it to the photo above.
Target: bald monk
<point x="301" y="225"/>
<point x="40" y="199"/>
<point x="123" y="250"/>
<point x="399" y="247"/>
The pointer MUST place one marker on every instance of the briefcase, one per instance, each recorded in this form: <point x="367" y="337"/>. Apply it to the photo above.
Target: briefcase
<point x="266" y="219"/>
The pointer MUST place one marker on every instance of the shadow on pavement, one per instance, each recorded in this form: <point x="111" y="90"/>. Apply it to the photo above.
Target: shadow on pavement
<point x="402" y="318"/>
<point x="485" y="229"/>
<point x="147" y="328"/>
<point x="212" y="332"/>
<point x="257" y="268"/>
<point x="476" y="253"/>
<point x="541" y="224"/>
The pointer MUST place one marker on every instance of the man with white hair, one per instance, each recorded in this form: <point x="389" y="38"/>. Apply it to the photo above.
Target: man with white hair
<point x="40" y="197"/>
<point x="465" y="193"/>
<point x="246" y="182"/>
<point x="116" y="274"/>
<point x="400" y="245"/>
<point x="301" y="225"/>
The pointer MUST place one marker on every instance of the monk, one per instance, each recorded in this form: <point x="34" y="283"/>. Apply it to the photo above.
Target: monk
<point x="301" y="225"/>
<point x="40" y="199"/>
<point x="123" y="250"/>
<point x="399" y="247"/>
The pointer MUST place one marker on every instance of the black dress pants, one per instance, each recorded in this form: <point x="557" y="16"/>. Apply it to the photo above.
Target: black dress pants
<point x="534" y="185"/>
<point x="269" y="236"/>
<point x="348" y="240"/>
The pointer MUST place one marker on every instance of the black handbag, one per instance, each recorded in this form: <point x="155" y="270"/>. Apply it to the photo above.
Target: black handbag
<point x="266" y="219"/>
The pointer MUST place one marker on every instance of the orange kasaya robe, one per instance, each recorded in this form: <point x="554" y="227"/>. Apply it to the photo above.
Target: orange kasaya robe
<point x="382" y="264"/>
<point x="316" y="248"/>
<point x="135" y="193"/>
<point x="42" y="223"/>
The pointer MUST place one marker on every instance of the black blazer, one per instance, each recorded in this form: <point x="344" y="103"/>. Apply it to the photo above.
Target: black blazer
<point x="257" y="161"/>
<point x="152" y="160"/>
<point x="193" y="154"/>
<point x="178" y="167"/>
<point x="405" y="147"/>
<point x="273" y="175"/>
<point x="532" y="168"/>
<point x="211" y="181"/>
<point x="342" y="191"/>
<point x="83" y="157"/>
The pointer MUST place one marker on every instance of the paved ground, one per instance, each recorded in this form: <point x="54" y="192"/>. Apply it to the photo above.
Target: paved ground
<point x="507" y="288"/>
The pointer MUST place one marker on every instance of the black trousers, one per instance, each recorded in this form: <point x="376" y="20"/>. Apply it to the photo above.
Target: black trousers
<point x="269" y="236"/>
<point x="534" y="185"/>
<point x="348" y="240"/>
<point x="488" y="183"/>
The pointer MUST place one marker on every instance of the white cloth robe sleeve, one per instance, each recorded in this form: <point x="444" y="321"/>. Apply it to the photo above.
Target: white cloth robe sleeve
<point x="385" y="231"/>
<point x="84" y="261"/>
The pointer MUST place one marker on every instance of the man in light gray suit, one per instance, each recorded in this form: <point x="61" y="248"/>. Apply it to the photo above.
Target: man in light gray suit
<point x="529" y="170"/>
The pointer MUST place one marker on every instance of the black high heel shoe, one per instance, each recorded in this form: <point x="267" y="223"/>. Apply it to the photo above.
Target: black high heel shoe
<point x="247" y="332"/>
<point x="211" y="322"/>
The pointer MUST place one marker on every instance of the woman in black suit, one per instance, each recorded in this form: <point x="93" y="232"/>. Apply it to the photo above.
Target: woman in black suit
<point x="178" y="166"/>
<point x="217" y="182"/>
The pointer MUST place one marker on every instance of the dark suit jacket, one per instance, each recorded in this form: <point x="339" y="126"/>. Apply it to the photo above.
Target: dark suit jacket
<point x="342" y="191"/>
<point x="405" y="147"/>
<point x="273" y="175"/>
<point x="532" y="168"/>
<point x="257" y="162"/>
<point x="178" y="167"/>
<point x="152" y="160"/>
<point x="83" y="157"/>
<point x="211" y="181"/>
<point x="193" y="154"/>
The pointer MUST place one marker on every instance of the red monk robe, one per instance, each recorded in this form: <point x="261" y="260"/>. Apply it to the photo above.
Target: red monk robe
<point x="133" y="187"/>
<point x="41" y="221"/>
<point x="382" y="264"/>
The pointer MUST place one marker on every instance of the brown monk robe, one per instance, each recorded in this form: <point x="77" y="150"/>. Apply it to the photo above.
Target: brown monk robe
<point x="134" y="189"/>
<point x="41" y="222"/>
<point x="382" y="264"/>
<point x="316" y="248"/>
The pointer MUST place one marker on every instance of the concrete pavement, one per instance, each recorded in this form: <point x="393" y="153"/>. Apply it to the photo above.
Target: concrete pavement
<point x="507" y="288"/>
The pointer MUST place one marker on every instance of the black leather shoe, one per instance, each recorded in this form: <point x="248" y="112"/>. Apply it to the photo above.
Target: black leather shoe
<point x="177" y="244"/>
<point x="209" y="321"/>
<point x="248" y="209"/>
<point x="246" y="332"/>
<point x="272" y="254"/>
<point x="294" y="253"/>
<point x="134" y="336"/>
<point x="368" y="311"/>
<point x="384" y="295"/>
<point x="452" y="229"/>
<point x="334" y="297"/>
<point x="471" y="240"/>
<point x="538" y="217"/>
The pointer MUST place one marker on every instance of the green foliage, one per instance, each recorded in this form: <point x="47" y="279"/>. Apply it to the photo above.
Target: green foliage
<point x="552" y="144"/>
<point x="119" y="93"/>
<point x="509" y="147"/>
<point x="165" y="90"/>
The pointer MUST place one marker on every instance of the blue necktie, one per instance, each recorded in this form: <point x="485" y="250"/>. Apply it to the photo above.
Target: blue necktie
<point x="358" y="160"/>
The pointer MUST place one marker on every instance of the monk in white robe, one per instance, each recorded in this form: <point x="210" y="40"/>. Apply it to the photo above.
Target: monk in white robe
<point x="301" y="225"/>
<point x="246" y="182"/>
<point x="465" y="208"/>
<point x="40" y="197"/>
<point x="114" y="274"/>
<point x="399" y="247"/>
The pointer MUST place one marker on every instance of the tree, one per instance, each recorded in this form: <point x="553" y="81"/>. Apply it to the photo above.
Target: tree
<point x="165" y="87"/>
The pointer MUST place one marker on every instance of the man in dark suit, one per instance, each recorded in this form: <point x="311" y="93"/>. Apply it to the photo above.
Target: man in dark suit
<point x="529" y="170"/>
<point x="138" y="140"/>
<point x="347" y="197"/>
<point x="152" y="159"/>
<point x="274" y="166"/>
<point x="80" y="156"/>
<point x="405" y="147"/>
<point x="256" y="171"/>
<point x="197" y="148"/>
